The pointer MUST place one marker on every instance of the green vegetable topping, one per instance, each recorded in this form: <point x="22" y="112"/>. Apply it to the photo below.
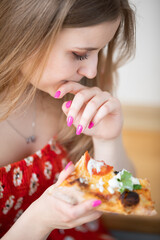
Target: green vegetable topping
<point x="127" y="184"/>
<point x="137" y="186"/>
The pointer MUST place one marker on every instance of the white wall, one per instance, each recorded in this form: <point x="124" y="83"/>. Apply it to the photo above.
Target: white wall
<point x="139" y="82"/>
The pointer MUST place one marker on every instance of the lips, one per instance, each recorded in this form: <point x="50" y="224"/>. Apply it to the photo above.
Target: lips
<point x="76" y="81"/>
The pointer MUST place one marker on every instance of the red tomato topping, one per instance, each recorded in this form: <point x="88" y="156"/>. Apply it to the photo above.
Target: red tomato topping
<point x="104" y="169"/>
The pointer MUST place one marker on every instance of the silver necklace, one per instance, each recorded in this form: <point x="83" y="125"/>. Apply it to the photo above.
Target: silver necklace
<point x="31" y="138"/>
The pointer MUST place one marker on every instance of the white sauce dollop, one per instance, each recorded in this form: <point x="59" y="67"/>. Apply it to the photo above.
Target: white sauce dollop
<point x="83" y="180"/>
<point x="93" y="164"/>
<point x="100" y="185"/>
<point x="135" y="180"/>
<point x="115" y="184"/>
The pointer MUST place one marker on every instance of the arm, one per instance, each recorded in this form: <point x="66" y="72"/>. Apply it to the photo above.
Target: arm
<point x="50" y="212"/>
<point x="113" y="152"/>
<point x="28" y="226"/>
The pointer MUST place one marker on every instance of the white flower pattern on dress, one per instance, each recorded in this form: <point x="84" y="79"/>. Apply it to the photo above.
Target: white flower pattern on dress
<point x="17" y="176"/>
<point x="93" y="226"/>
<point x="8" y="168"/>
<point x="61" y="231"/>
<point x="48" y="170"/>
<point x="8" y="205"/>
<point x="33" y="184"/>
<point x="50" y="142"/>
<point x="19" y="213"/>
<point x="56" y="178"/>
<point x="29" y="160"/>
<point x="81" y="228"/>
<point x="39" y="153"/>
<point x="64" y="162"/>
<point x="1" y="190"/>
<point x="106" y="237"/>
<point x="18" y="203"/>
<point x="69" y="238"/>
<point x="54" y="146"/>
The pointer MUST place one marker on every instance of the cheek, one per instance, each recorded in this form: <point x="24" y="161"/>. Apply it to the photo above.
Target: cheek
<point x="61" y="70"/>
<point x="55" y="73"/>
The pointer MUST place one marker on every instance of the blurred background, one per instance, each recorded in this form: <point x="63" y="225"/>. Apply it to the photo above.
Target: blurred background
<point x="139" y="93"/>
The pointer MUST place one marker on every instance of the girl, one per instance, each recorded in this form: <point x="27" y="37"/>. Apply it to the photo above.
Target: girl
<point x="56" y="85"/>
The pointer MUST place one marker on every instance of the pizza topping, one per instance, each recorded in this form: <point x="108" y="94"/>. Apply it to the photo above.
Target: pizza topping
<point x="92" y="186"/>
<point x="129" y="198"/>
<point x="83" y="180"/>
<point x="123" y="181"/>
<point x="97" y="167"/>
<point x="114" y="184"/>
<point x="116" y="172"/>
<point x="93" y="164"/>
<point x="100" y="185"/>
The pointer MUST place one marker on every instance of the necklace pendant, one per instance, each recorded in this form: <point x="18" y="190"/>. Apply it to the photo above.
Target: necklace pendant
<point x="31" y="139"/>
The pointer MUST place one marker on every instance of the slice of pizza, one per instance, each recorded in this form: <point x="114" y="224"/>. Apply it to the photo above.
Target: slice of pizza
<point x="119" y="192"/>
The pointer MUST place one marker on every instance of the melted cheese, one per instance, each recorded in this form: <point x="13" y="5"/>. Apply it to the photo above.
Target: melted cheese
<point x="83" y="180"/>
<point x="135" y="180"/>
<point x="114" y="184"/>
<point x="100" y="185"/>
<point x="92" y="164"/>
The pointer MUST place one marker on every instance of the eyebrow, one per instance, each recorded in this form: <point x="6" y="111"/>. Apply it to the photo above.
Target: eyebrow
<point x="87" y="48"/>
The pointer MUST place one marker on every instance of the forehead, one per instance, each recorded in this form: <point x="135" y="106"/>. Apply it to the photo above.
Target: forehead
<point x="93" y="36"/>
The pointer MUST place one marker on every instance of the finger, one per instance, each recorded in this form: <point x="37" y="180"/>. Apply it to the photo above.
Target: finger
<point x="68" y="87"/>
<point x="82" y="209"/>
<point x="88" y="218"/>
<point x="91" y="109"/>
<point x="111" y="106"/>
<point x="79" y="101"/>
<point x="62" y="176"/>
<point x="65" y="173"/>
<point x="64" y="196"/>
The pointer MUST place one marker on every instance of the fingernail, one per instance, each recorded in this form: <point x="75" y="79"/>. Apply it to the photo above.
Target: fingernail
<point x="96" y="203"/>
<point x="68" y="104"/>
<point x="69" y="121"/>
<point x="79" y="129"/>
<point x="67" y="166"/>
<point x="57" y="94"/>
<point x="91" y="125"/>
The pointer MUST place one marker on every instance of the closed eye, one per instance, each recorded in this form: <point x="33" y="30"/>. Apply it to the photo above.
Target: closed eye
<point x="80" y="57"/>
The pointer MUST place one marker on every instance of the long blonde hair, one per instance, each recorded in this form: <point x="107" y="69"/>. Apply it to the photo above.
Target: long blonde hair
<point x="29" y="27"/>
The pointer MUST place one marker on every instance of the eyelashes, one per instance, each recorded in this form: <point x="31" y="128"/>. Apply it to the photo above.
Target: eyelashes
<point x="79" y="57"/>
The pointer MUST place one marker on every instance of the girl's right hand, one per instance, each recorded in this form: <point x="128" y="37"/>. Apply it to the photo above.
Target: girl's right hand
<point x="56" y="213"/>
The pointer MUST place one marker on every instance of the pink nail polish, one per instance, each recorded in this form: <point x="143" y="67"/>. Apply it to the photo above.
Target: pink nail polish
<point x="69" y="121"/>
<point x="67" y="166"/>
<point x="96" y="203"/>
<point x="57" y="94"/>
<point x="68" y="104"/>
<point x="91" y="125"/>
<point x="79" y="129"/>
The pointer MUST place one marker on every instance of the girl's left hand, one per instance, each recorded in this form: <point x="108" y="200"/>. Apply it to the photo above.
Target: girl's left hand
<point x="92" y="111"/>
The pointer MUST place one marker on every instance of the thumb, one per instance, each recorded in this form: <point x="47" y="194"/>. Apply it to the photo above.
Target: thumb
<point x="65" y="173"/>
<point x="56" y="192"/>
<point x="62" y="176"/>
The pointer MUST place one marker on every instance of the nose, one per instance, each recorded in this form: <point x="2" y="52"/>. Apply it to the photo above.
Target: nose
<point x="88" y="68"/>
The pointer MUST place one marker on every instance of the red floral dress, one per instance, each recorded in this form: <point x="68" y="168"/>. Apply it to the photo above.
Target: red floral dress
<point x="23" y="182"/>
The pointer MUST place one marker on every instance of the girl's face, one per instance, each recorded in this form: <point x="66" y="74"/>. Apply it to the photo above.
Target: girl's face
<point x="74" y="55"/>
